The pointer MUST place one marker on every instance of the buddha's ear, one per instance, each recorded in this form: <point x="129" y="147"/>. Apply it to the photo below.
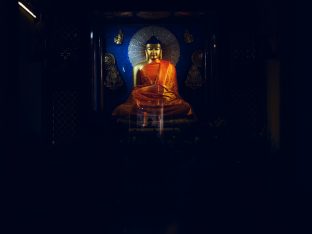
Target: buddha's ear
<point x="146" y="55"/>
<point x="160" y="55"/>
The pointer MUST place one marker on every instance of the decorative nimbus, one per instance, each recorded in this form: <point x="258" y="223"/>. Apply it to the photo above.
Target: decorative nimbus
<point x="170" y="44"/>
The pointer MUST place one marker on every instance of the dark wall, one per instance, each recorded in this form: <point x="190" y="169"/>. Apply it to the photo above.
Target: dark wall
<point x="30" y="65"/>
<point x="8" y="96"/>
<point x="68" y="77"/>
<point x="300" y="98"/>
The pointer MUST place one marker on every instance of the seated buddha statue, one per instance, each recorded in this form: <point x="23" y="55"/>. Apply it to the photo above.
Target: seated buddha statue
<point x="156" y="89"/>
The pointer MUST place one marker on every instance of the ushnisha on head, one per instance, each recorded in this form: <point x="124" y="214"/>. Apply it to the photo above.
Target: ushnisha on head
<point x="153" y="50"/>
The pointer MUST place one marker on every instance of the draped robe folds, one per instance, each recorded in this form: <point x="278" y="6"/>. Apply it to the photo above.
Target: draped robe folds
<point x="156" y="93"/>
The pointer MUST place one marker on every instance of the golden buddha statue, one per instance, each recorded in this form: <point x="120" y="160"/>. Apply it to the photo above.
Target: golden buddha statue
<point x="156" y="88"/>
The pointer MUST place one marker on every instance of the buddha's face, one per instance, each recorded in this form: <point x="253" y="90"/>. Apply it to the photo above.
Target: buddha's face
<point x="153" y="52"/>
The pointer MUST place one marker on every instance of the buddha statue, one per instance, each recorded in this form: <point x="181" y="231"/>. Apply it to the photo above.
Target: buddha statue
<point x="156" y="89"/>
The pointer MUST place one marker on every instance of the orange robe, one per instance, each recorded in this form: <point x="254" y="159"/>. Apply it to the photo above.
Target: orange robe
<point x="156" y="93"/>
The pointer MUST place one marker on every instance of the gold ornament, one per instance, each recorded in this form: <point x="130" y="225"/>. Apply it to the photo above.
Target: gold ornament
<point x="194" y="78"/>
<point x="112" y="77"/>
<point x="118" y="39"/>
<point x="188" y="38"/>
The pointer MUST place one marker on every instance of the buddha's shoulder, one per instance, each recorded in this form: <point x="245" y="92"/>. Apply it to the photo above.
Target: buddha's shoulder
<point x="139" y="66"/>
<point x="167" y="62"/>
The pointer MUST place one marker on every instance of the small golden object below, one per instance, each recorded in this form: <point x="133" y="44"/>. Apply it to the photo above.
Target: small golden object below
<point x="188" y="37"/>
<point x="118" y="39"/>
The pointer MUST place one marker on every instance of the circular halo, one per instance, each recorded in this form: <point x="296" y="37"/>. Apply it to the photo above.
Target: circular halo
<point x="169" y="43"/>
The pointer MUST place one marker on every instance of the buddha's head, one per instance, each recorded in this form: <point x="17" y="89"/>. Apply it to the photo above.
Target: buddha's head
<point x="153" y="50"/>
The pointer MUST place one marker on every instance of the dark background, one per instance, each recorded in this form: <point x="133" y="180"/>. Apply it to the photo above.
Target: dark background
<point x="82" y="179"/>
